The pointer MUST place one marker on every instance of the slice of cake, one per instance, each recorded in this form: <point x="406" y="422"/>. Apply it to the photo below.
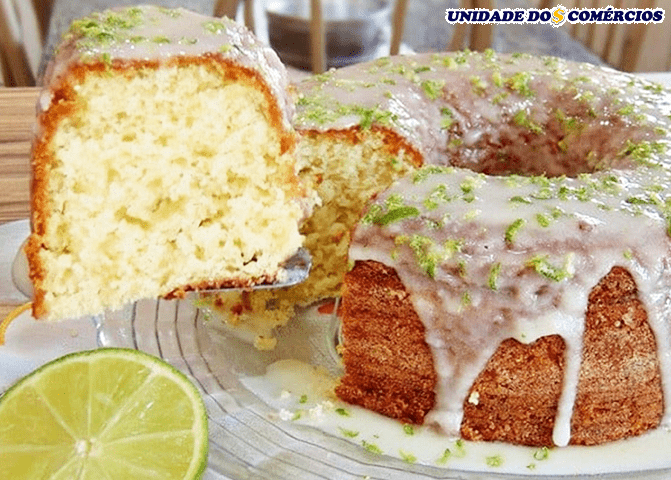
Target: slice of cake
<point x="163" y="162"/>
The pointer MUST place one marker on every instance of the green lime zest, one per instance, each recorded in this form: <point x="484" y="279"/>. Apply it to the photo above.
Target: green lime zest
<point x="348" y="433"/>
<point x="396" y="215"/>
<point x="433" y="88"/>
<point x="543" y="267"/>
<point x="513" y="229"/>
<point x="494" y="272"/>
<point x="371" y="447"/>
<point x="407" y="457"/>
<point x="442" y="460"/>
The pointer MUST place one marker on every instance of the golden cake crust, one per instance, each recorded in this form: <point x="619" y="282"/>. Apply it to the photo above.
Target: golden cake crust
<point x="515" y="398"/>
<point x="620" y="389"/>
<point x="388" y="364"/>
<point x="389" y="367"/>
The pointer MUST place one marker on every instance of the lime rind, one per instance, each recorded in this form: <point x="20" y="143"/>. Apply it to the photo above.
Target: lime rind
<point x="115" y="387"/>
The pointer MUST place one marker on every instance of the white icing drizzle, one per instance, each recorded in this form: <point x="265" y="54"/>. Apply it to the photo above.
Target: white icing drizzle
<point x="512" y="310"/>
<point x="155" y="34"/>
<point x="488" y="257"/>
<point x="301" y="396"/>
<point x="659" y="315"/>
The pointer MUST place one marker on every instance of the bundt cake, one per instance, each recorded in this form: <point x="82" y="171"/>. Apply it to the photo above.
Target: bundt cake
<point x="520" y="294"/>
<point x="164" y="161"/>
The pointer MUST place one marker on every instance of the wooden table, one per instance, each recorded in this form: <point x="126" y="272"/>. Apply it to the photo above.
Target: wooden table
<point x="17" y="119"/>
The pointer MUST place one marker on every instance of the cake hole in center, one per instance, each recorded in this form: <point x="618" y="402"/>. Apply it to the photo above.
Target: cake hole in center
<point x="573" y="139"/>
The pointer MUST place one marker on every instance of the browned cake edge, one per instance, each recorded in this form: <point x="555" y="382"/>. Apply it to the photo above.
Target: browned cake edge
<point x="515" y="398"/>
<point x="394" y="143"/>
<point x="389" y="367"/>
<point x="620" y="387"/>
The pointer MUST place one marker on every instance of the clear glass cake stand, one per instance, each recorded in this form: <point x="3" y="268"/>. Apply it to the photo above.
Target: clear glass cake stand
<point x="248" y="439"/>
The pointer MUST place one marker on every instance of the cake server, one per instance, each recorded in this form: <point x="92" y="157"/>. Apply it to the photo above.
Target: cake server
<point x="294" y="271"/>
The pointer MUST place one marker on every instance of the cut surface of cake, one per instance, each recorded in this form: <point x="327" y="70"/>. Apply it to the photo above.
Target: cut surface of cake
<point x="164" y="161"/>
<point x="345" y="165"/>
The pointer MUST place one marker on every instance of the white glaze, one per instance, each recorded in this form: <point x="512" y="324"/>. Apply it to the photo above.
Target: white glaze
<point x="300" y="395"/>
<point x="154" y="34"/>
<point x="563" y="303"/>
<point x="402" y="93"/>
<point x="617" y="215"/>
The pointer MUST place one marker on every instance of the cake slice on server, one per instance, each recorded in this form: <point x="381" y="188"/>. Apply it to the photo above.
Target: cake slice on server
<point x="163" y="162"/>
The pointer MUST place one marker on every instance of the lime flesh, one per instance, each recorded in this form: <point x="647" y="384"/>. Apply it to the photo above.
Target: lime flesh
<point x="107" y="414"/>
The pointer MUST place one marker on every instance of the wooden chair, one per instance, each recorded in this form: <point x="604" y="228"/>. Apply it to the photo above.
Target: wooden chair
<point x="229" y="8"/>
<point x="480" y="35"/>
<point x="620" y="45"/>
<point x="22" y="30"/>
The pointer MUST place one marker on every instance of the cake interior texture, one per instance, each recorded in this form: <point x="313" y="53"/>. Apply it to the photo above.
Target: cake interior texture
<point x="152" y="180"/>
<point x="345" y="168"/>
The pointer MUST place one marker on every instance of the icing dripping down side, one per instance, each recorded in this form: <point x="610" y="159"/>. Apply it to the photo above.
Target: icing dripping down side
<point x="559" y="173"/>
<point x="525" y="287"/>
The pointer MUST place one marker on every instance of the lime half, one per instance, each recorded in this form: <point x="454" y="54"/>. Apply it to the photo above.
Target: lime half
<point x="105" y="414"/>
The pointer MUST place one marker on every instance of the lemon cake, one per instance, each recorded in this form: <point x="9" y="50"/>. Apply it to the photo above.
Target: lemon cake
<point x="519" y="292"/>
<point x="164" y="161"/>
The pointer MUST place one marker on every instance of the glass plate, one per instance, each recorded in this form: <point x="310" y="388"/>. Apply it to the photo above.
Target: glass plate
<point x="254" y="435"/>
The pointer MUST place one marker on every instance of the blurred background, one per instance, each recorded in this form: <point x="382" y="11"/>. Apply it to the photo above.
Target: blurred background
<point x="312" y="35"/>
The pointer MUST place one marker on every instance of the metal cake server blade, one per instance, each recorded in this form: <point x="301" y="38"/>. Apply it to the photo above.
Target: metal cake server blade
<point x="295" y="270"/>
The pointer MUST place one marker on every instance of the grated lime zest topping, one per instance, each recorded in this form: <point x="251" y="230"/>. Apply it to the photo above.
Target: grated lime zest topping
<point x="214" y="27"/>
<point x="522" y="119"/>
<point x="542" y="453"/>
<point x="521" y="83"/>
<point x="520" y="199"/>
<point x="348" y="433"/>
<point x="433" y="88"/>
<point x="478" y="85"/>
<point x="543" y="220"/>
<point x="371" y="447"/>
<point x="493" y="278"/>
<point x="513" y="229"/>
<point x="395" y="215"/>
<point x="543" y="267"/>
<point x="442" y="460"/>
<point x="407" y="457"/>
<point x="494" y="461"/>
<point x="446" y="118"/>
